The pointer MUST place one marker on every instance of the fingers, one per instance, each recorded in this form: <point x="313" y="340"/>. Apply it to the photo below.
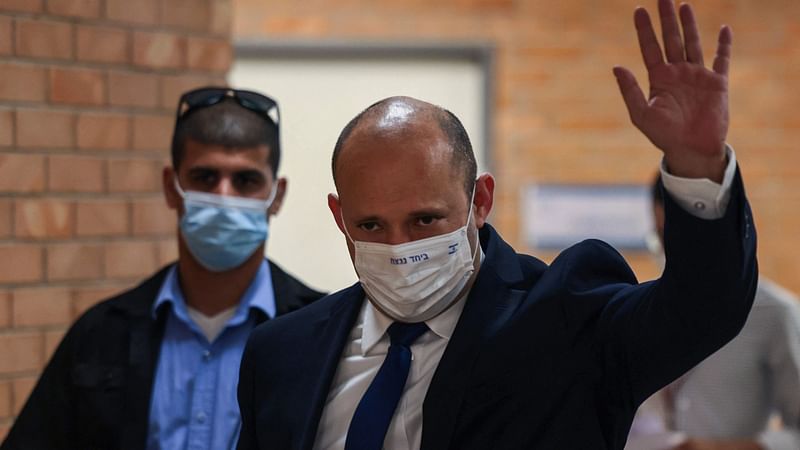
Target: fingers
<point x="651" y="51"/>
<point x="631" y="93"/>
<point x="723" y="58"/>
<point x="673" y="44"/>
<point x="694" y="52"/>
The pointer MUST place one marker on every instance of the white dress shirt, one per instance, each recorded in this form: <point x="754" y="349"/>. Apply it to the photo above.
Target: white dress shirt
<point x="368" y="342"/>
<point x="363" y="355"/>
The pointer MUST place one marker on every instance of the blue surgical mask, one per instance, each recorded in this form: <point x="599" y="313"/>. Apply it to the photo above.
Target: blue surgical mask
<point x="222" y="231"/>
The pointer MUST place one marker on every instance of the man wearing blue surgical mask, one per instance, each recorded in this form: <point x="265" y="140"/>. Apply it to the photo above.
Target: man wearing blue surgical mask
<point x="453" y="340"/>
<point x="156" y="367"/>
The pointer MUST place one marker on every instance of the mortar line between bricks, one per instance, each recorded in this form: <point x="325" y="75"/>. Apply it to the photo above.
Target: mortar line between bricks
<point x="103" y="21"/>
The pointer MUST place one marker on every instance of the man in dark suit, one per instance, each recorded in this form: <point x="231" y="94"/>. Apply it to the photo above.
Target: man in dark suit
<point x="452" y="340"/>
<point x="156" y="367"/>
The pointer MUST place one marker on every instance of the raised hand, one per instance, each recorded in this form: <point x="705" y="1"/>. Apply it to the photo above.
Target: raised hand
<point x="686" y="113"/>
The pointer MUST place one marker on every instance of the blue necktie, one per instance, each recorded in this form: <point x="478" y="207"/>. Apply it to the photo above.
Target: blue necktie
<point x="376" y="408"/>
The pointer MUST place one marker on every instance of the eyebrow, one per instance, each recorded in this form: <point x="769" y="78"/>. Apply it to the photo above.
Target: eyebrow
<point x="416" y="213"/>
<point x="200" y="169"/>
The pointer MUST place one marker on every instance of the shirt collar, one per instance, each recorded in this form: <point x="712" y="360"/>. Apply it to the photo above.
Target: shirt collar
<point x="375" y="323"/>
<point x="259" y="295"/>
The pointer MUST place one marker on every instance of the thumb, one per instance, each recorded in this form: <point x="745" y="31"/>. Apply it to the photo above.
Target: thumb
<point x="631" y="93"/>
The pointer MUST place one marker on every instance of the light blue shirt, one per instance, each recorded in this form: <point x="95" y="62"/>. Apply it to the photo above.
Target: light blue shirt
<point x="193" y="405"/>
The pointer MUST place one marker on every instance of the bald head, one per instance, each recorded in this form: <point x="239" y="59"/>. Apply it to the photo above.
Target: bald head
<point x="406" y="117"/>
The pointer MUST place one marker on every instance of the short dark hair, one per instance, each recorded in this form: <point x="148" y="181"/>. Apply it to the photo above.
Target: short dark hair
<point x="657" y="190"/>
<point x="451" y="126"/>
<point x="227" y="124"/>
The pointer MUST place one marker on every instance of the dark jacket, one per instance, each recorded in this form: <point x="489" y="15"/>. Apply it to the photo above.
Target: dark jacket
<point x="95" y="392"/>
<point x="551" y="357"/>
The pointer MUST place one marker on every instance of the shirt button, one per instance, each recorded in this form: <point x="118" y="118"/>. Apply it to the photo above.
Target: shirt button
<point x="699" y="205"/>
<point x="201" y="417"/>
<point x="206" y="355"/>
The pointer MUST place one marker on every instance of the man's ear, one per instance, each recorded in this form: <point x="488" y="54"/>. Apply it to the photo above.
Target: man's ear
<point x="280" y="194"/>
<point x="484" y="199"/>
<point x="171" y="195"/>
<point x="336" y="210"/>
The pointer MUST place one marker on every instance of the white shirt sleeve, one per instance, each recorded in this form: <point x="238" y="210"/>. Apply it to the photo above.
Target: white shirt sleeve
<point x="784" y="372"/>
<point x="702" y="197"/>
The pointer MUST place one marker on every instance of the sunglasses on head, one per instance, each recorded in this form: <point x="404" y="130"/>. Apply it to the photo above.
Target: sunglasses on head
<point x="209" y="96"/>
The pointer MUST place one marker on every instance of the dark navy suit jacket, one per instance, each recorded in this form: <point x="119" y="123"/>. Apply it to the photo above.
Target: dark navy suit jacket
<point x="544" y="357"/>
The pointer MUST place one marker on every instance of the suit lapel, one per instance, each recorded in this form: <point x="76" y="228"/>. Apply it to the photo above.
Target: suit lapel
<point x="331" y="340"/>
<point x="489" y="304"/>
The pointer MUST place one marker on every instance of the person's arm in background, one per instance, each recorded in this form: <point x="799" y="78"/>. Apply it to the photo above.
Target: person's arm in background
<point x="784" y="371"/>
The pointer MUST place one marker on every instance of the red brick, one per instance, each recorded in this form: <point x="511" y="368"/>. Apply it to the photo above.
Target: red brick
<point x="103" y="131"/>
<point x="130" y="259"/>
<point x="52" y="338"/>
<point x="153" y="132"/>
<point x="44" y="39"/>
<point x="102" y="218"/>
<point x="5" y="400"/>
<point x="43" y="218"/>
<point x="21" y="173"/>
<point x="21" y="389"/>
<point x="145" y="12"/>
<point x="152" y="216"/>
<point x="74" y="262"/>
<point x="133" y="89"/>
<point x="103" y="44"/>
<point x="20" y="263"/>
<point x="22" y="5"/>
<point x="188" y="14"/>
<point x="130" y="175"/>
<point x="172" y="87"/>
<point x="5" y="218"/>
<point x="5" y="309"/>
<point x="77" y="86"/>
<point x="167" y="252"/>
<point x="209" y="54"/>
<point x="74" y="8"/>
<point x="21" y="352"/>
<point x="31" y="124"/>
<point x="20" y="82"/>
<point x="86" y="297"/>
<point x="67" y="173"/>
<point x="221" y="17"/>
<point x="6" y="30"/>
<point x="34" y="307"/>
<point x="158" y="50"/>
<point x="6" y="127"/>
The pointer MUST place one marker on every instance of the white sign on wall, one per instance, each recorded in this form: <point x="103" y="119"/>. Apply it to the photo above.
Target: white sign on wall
<point x="556" y="216"/>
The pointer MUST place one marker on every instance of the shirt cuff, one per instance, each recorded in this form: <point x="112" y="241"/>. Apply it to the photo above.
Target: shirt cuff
<point x="702" y="197"/>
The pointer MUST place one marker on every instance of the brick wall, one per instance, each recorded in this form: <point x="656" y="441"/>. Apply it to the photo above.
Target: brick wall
<point x="559" y="117"/>
<point x="87" y="96"/>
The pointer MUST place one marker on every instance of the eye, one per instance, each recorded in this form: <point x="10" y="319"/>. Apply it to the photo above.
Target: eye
<point x="369" y="226"/>
<point x="247" y="182"/>
<point x="205" y="178"/>
<point x="426" y="220"/>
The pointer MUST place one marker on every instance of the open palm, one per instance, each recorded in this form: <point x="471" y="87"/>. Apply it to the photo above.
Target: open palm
<point x="686" y="113"/>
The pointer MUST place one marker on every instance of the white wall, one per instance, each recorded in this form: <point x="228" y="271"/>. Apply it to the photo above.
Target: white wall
<point x="317" y="98"/>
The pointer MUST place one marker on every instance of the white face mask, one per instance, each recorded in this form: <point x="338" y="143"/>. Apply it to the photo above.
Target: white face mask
<point x="417" y="280"/>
